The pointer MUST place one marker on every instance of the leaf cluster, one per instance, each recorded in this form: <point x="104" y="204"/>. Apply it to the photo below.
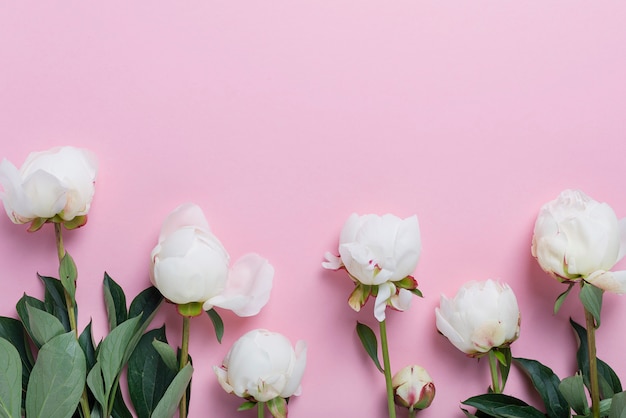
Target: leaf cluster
<point x="47" y="370"/>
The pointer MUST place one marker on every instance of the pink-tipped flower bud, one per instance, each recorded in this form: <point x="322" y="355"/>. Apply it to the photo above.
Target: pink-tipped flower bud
<point x="413" y="388"/>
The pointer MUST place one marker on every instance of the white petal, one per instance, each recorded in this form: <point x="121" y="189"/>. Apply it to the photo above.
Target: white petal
<point x="186" y="214"/>
<point x="332" y="262"/>
<point x="292" y="387"/>
<point x="248" y="286"/>
<point x="611" y="281"/>
<point x="384" y="293"/>
<point x="401" y="301"/>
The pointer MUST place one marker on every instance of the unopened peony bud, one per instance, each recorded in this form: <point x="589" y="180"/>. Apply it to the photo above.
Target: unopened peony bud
<point x="413" y="388"/>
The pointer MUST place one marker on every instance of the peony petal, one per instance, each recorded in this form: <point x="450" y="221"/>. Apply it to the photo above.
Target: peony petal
<point x="402" y="300"/>
<point x="610" y="281"/>
<point x="622" y="235"/>
<point x="292" y="387"/>
<point x="385" y="291"/>
<point x="332" y="262"/>
<point x="222" y="378"/>
<point x="248" y="287"/>
<point x="187" y="214"/>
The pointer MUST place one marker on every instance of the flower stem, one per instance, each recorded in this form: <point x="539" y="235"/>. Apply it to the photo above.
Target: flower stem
<point x="260" y="409"/>
<point x="71" y="312"/>
<point x="412" y="412"/>
<point x="593" y="364"/>
<point x="495" y="377"/>
<point x="184" y="359"/>
<point x="387" y="369"/>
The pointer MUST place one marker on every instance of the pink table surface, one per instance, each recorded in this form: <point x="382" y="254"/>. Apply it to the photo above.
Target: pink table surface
<point x="281" y="118"/>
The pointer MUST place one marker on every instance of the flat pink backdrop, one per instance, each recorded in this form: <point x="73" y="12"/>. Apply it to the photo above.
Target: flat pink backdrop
<point x="281" y="118"/>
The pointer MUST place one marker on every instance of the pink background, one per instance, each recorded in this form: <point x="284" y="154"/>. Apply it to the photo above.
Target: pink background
<point x="281" y="118"/>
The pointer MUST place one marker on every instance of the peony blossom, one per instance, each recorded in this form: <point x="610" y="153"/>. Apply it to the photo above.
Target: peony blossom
<point x="262" y="365"/>
<point x="51" y="186"/>
<point x="380" y="254"/>
<point x="577" y="238"/>
<point x="190" y="265"/>
<point x="482" y="316"/>
<point x="413" y="388"/>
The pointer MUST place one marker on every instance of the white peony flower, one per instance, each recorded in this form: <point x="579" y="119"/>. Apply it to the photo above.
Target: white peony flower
<point x="482" y="316"/>
<point x="263" y="365"/>
<point x="190" y="265"/>
<point x="577" y="238"/>
<point x="55" y="185"/>
<point x="380" y="254"/>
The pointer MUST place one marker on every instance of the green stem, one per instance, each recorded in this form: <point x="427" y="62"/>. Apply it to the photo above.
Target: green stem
<point x="412" y="412"/>
<point x="593" y="364"/>
<point x="184" y="359"/>
<point x="260" y="409"/>
<point x="387" y="369"/>
<point x="493" y="367"/>
<point x="71" y="312"/>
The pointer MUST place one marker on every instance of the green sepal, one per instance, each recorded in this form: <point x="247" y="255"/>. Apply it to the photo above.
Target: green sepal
<point x="77" y="222"/>
<point x="504" y="357"/>
<point x="503" y="406"/>
<point x="561" y="298"/>
<point x="36" y="224"/>
<point x="547" y="385"/>
<point x="370" y="343"/>
<point x="277" y="407"/>
<point x="359" y="296"/>
<point x="246" y="406"/>
<point x="408" y="283"/>
<point x="68" y="275"/>
<point x="218" y="324"/>
<point x="417" y="292"/>
<point x="591" y="297"/>
<point x="115" y="302"/>
<point x="190" y="309"/>
<point x="573" y="390"/>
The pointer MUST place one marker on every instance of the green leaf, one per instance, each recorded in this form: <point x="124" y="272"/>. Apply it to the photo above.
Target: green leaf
<point x="120" y="410"/>
<point x="591" y="297"/>
<point x="13" y="331"/>
<point x="115" y="350"/>
<point x="167" y="354"/>
<point x="561" y="298"/>
<point x="547" y="384"/>
<point x="44" y="326"/>
<point x="96" y="385"/>
<point x="145" y="304"/>
<point x="573" y="390"/>
<point x="618" y="406"/>
<point x="607" y="378"/>
<point x="54" y="300"/>
<point x="503" y="406"/>
<point x="370" y="343"/>
<point x="174" y="393"/>
<point x="148" y="375"/>
<point x="22" y="312"/>
<point x="85" y="340"/>
<point x="278" y="407"/>
<point x="115" y="302"/>
<point x="417" y="292"/>
<point x="68" y="275"/>
<point x="246" y="406"/>
<point x="10" y="380"/>
<point x="57" y="379"/>
<point x="218" y="324"/>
